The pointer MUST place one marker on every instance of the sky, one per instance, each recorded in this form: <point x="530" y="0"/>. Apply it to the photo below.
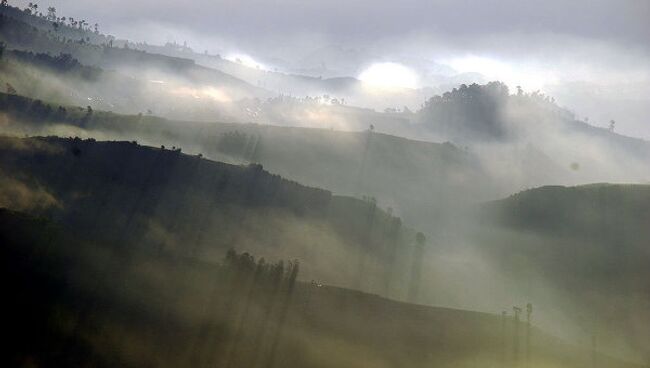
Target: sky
<point x="592" y="55"/>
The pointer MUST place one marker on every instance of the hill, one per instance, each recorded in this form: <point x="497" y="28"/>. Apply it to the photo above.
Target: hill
<point x="425" y="182"/>
<point x="165" y="200"/>
<point x="26" y="32"/>
<point x="584" y="250"/>
<point x="75" y="302"/>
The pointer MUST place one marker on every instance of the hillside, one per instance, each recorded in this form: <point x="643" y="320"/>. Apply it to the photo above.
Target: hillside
<point x="585" y="248"/>
<point x="521" y="140"/>
<point x="163" y="199"/>
<point x="75" y="302"/>
<point x="20" y="35"/>
<point x="62" y="78"/>
<point x="419" y="180"/>
<point x="318" y="184"/>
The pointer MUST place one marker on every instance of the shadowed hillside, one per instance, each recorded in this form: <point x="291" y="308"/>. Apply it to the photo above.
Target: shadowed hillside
<point x="164" y="200"/>
<point x="79" y="303"/>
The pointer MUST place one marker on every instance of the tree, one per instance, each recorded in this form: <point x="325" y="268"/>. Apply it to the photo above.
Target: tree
<point x="51" y="13"/>
<point x="515" y="336"/>
<point x="529" y="312"/>
<point x="612" y="125"/>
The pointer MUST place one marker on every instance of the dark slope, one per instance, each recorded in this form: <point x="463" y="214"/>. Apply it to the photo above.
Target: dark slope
<point x="161" y="199"/>
<point x="78" y="303"/>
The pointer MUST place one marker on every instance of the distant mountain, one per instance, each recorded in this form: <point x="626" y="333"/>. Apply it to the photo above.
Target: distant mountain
<point x="296" y="83"/>
<point x="27" y="32"/>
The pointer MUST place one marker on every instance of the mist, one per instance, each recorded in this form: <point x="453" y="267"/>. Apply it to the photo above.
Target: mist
<point x="326" y="184"/>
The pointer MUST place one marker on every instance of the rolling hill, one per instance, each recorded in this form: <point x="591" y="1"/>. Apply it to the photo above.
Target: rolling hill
<point x="419" y="180"/>
<point x="164" y="200"/>
<point x="580" y="250"/>
<point x="75" y="302"/>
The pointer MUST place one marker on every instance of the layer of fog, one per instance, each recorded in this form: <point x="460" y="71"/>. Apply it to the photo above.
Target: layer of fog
<point x="559" y="155"/>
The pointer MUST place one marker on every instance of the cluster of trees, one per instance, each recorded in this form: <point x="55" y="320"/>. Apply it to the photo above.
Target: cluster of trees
<point x="256" y="304"/>
<point x="487" y="112"/>
<point x="473" y="110"/>
<point x="63" y="29"/>
<point x="82" y="24"/>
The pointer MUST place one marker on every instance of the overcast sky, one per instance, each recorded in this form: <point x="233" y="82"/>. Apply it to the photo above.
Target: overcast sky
<point x="550" y="42"/>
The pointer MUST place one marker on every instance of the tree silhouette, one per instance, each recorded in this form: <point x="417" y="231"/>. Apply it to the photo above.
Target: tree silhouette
<point x="51" y="13"/>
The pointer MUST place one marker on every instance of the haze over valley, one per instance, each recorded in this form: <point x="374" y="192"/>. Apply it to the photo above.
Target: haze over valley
<point x="372" y="184"/>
